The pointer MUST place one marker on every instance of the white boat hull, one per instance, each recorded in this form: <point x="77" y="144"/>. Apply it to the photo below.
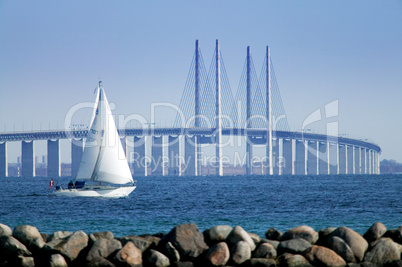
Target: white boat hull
<point x="98" y="191"/>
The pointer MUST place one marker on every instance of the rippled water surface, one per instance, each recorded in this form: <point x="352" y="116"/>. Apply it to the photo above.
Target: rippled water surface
<point x="254" y="202"/>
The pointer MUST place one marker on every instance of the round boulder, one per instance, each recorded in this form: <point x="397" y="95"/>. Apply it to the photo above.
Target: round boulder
<point x="70" y="246"/>
<point x="376" y="231"/>
<point x="273" y="234"/>
<point x="338" y="245"/>
<point x="11" y="247"/>
<point x="157" y="259"/>
<point x="217" y="234"/>
<point x="355" y="241"/>
<point x="239" y="234"/>
<point x="265" y="250"/>
<point x="5" y="230"/>
<point x="304" y="231"/>
<point x="57" y="260"/>
<point x="294" y="246"/>
<point x="129" y="255"/>
<point x="258" y="262"/>
<point x="218" y="255"/>
<point x="29" y="236"/>
<point x="103" y="247"/>
<point x="241" y="252"/>
<point x="290" y="260"/>
<point x="322" y="256"/>
<point x="384" y="251"/>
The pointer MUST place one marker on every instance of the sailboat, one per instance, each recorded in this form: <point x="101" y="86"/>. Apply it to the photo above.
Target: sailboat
<point x="103" y="159"/>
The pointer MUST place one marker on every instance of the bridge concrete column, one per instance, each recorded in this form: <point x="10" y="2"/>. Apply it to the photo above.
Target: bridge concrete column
<point x="157" y="164"/>
<point x="350" y="159"/>
<point x="53" y="158"/>
<point x="300" y="164"/>
<point x="312" y="158"/>
<point x="342" y="159"/>
<point x="371" y="162"/>
<point x="368" y="161"/>
<point x="286" y="164"/>
<point x="140" y="159"/>
<point x="28" y="158"/>
<point x="190" y="155"/>
<point x="275" y="156"/>
<point x="174" y="156"/>
<point x="378" y="162"/>
<point x="363" y="158"/>
<point x="333" y="158"/>
<point x="323" y="158"/>
<point x="3" y="160"/>
<point x="356" y="151"/>
<point x="77" y="149"/>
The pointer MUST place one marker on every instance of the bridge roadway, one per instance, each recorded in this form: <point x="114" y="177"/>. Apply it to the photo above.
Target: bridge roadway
<point x="294" y="152"/>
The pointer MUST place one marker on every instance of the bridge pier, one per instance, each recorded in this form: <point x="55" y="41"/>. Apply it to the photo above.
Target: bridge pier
<point x="275" y="156"/>
<point x="157" y="164"/>
<point x="342" y="159"/>
<point x="349" y="158"/>
<point x="312" y="158"/>
<point x="28" y="158"/>
<point x="53" y="158"/>
<point x="3" y="160"/>
<point x="77" y="148"/>
<point x="174" y="168"/>
<point x="190" y="155"/>
<point x="323" y="158"/>
<point x="300" y="163"/>
<point x="333" y="158"/>
<point x="287" y="164"/>
<point x="356" y="151"/>
<point x="363" y="160"/>
<point x="140" y="160"/>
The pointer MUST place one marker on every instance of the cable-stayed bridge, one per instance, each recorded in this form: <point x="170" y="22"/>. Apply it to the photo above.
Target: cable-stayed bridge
<point x="209" y="114"/>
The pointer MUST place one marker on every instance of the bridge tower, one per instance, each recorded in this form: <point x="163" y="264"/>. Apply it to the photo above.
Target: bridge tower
<point x="269" y="112"/>
<point x="218" y="114"/>
<point x="249" y="146"/>
<point x="197" y="112"/>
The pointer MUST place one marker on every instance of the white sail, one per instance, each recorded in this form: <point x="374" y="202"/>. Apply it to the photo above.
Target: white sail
<point x="92" y="143"/>
<point x="112" y="166"/>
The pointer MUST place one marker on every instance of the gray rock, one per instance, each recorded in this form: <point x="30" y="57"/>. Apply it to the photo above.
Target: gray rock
<point x="304" y="231"/>
<point x="338" y="245"/>
<point x="103" y="247"/>
<point x="23" y="261"/>
<point x="171" y="252"/>
<point x="11" y="247"/>
<point x="183" y="264"/>
<point x="217" y="234"/>
<point x="45" y="237"/>
<point x="294" y="246"/>
<point x="355" y="241"/>
<point x="273" y="234"/>
<point x="140" y="242"/>
<point x="70" y="246"/>
<point x="94" y="236"/>
<point x="376" y="231"/>
<point x="100" y="262"/>
<point x="239" y="234"/>
<point x="129" y="255"/>
<point x="290" y="260"/>
<point x="241" y="252"/>
<point x="218" y="254"/>
<point x="29" y="236"/>
<point x="157" y="259"/>
<point x="265" y="250"/>
<point x="262" y="263"/>
<point x="5" y="230"/>
<point x="274" y="243"/>
<point x="256" y="238"/>
<point x="59" y="235"/>
<point x="323" y="235"/>
<point x="385" y="250"/>
<point x="57" y="260"/>
<point x="187" y="239"/>
<point x="395" y="234"/>
<point x="394" y="263"/>
<point x="322" y="256"/>
<point x="153" y="239"/>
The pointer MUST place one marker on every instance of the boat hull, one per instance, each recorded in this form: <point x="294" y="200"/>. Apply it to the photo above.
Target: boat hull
<point x="109" y="192"/>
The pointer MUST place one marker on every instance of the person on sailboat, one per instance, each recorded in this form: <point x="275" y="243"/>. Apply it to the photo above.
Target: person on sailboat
<point x="71" y="185"/>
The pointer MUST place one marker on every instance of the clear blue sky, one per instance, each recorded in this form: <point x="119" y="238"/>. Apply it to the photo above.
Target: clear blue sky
<point x="52" y="54"/>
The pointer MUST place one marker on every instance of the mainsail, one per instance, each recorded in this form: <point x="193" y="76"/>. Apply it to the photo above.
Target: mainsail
<point x="104" y="159"/>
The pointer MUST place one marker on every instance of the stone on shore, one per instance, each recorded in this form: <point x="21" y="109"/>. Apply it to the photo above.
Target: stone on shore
<point x="23" y="261"/>
<point x="355" y="241"/>
<point x="338" y="245"/>
<point x="11" y="247"/>
<point x="384" y="251"/>
<point x="273" y="234"/>
<point x="100" y="262"/>
<point x="241" y="252"/>
<point x="103" y="247"/>
<point x="157" y="259"/>
<point x="70" y="246"/>
<point x="265" y="250"/>
<point x="94" y="236"/>
<point x="291" y="260"/>
<point x="57" y="260"/>
<point x="274" y="243"/>
<point x="140" y="242"/>
<point x="255" y="238"/>
<point x="5" y="230"/>
<point x="187" y="239"/>
<point x="217" y="234"/>
<point x="239" y="234"/>
<point x="294" y="246"/>
<point x="304" y="231"/>
<point x="218" y="254"/>
<point x="395" y="234"/>
<point x="59" y="235"/>
<point x="374" y="233"/>
<point x="29" y="236"/>
<point x="259" y="262"/>
<point x="171" y="252"/>
<point x="322" y="256"/>
<point x="129" y="255"/>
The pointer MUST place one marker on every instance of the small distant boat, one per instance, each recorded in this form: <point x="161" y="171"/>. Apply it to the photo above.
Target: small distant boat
<point x="103" y="159"/>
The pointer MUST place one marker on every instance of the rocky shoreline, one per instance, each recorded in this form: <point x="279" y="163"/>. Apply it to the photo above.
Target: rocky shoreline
<point x="186" y="246"/>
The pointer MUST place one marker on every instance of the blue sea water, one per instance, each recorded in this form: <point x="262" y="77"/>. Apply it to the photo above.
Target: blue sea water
<point x="254" y="202"/>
